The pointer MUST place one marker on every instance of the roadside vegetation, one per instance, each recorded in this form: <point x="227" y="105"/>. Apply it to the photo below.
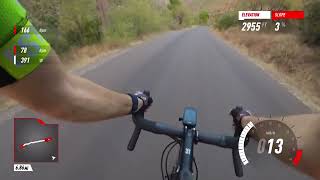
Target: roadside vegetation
<point x="74" y="25"/>
<point x="293" y="52"/>
<point x="82" y="30"/>
<point x="80" y="23"/>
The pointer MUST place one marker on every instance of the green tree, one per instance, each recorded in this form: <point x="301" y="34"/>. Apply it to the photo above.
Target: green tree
<point x="203" y="17"/>
<point x="179" y="12"/>
<point x="173" y="4"/>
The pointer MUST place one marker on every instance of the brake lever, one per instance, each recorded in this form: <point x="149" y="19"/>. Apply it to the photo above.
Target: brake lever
<point x="237" y="163"/>
<point x="236" y="157"/>
<point x="137" y="130"/>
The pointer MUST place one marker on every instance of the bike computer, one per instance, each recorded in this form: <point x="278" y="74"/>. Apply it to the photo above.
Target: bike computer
<point x="190" y="117"/>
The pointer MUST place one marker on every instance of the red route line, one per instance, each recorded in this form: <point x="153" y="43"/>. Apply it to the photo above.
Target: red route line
<point x="47" y="139"/>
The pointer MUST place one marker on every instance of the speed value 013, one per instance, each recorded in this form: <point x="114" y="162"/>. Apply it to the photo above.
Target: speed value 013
<point x="275" y="138"/>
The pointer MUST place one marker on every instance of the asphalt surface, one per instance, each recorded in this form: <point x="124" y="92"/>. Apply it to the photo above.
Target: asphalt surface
<point x="183" y="68"/>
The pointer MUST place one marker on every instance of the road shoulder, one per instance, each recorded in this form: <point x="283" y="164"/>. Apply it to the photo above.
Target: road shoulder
<point x="292" y="82"/>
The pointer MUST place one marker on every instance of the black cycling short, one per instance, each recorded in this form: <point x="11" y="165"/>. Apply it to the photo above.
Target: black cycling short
<point x="5" y="78"/>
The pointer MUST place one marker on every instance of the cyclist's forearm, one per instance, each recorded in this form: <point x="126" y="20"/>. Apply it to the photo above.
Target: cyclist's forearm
<point x="54" y="92"/>
<point x="307" y="127"/>
<point x="90" y="102"/>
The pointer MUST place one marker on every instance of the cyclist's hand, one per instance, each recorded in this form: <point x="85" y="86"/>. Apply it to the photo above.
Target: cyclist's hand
<point x="237" y="114"/>
<point x="141" y="101"/>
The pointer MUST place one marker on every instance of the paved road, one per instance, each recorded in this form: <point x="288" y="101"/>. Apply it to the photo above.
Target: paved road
<point x="190" y="67"/>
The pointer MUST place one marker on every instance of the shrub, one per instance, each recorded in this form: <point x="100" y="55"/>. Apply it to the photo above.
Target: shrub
<point x="134" y="18"/>
<point x="227" y="20"/>
<point x="180" y="13"/>
<point x="173" y="4"/>
<point x="44" y="14"/>
<point x="311" y="24"/>
<point x="266" y="5"/>
<point x="77" y="24"/>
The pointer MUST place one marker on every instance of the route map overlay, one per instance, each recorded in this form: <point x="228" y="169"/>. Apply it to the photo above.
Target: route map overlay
<point x="35" y="141"/>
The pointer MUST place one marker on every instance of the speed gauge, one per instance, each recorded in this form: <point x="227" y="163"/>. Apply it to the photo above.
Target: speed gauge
<point x="274" y="138"/>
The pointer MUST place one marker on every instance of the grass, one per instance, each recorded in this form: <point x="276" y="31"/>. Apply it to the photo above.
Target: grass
<point x="296" y="63"/>
<point x="284" y="55"/>
<point x="79" y="57"/>
<point x="81" y="36"/>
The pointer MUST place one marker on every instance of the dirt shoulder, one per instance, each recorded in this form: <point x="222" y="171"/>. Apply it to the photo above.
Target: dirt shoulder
<point x="289" y="61"/>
